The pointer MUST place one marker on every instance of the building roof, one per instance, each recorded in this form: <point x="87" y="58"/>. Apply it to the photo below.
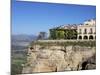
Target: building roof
<point x="68" y="26"/>
<point x="89" y="22"/>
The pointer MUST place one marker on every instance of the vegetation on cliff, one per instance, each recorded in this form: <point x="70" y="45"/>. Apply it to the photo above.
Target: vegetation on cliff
<point x="17" y="64"/>
<point x="66" y="43"/>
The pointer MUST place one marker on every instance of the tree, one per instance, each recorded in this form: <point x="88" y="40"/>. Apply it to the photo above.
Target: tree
<point x="60" y="34"/>
<point x="57" y="34"/>
<point x="68" y="34"/>
<point x="74" y="34"/>
<point x="52" y="34"/>
<point x="71" y="34"/>
<point x="63" y="34"/>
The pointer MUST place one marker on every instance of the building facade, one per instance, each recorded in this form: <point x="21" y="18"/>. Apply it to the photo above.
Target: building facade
<point x="87" y="30"/>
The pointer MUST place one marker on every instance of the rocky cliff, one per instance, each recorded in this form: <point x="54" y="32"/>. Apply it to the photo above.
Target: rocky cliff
<point x="53" y="58"/>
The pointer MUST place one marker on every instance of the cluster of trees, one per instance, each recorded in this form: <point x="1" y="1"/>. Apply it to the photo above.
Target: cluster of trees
<point x="63" y="34"/>
<point x="58" y="34"/>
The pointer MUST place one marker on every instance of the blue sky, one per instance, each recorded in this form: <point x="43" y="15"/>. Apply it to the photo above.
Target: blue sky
<point x="33" y="17"/>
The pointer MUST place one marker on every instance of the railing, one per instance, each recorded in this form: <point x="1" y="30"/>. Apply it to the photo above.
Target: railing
<point x="90" y="33"/>
<point x="85" y="33"/>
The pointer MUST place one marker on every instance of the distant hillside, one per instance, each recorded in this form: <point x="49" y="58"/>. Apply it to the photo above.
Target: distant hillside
<point x="20" y="42"/>
<point x="23" y="38"/>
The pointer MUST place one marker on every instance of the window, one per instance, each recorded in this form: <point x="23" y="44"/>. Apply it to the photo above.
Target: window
<point x="85" y="31"/>
<point x="91" y="31"/>
<point x="80" y="37"/>
<point x="85" y="37"/>
<point x="90" y="37"/>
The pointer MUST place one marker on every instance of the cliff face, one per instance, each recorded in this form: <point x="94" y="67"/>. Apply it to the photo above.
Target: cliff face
<point x="59" y="58"/>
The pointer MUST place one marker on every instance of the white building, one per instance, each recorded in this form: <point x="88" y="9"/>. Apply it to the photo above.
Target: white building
<point x="87" y="30"/>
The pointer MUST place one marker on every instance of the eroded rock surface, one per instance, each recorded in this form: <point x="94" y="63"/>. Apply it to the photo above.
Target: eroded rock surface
<point x="59" y="58"/>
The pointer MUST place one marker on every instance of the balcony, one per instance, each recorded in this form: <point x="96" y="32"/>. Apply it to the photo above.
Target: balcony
<point x="85" y="33"/>
<point x="90" y="33"/>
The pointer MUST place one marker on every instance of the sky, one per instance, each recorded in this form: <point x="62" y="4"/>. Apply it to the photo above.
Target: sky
<point x="34" y="17"/>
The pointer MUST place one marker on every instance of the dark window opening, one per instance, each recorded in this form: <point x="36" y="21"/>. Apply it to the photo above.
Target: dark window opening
<point x="90" y="37"/>
<point x="85" y="37"/>
<point x="80" y="37"/>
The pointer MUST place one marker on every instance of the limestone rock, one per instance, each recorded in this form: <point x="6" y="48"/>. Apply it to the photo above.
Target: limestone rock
<point x="59" y="58"/>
